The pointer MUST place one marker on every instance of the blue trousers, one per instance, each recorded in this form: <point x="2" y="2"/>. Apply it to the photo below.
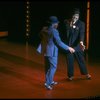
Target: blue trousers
<point x="81" y="62"/>
<point x="50" y="68"/>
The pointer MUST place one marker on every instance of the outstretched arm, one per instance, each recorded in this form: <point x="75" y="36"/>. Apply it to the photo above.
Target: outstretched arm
<point x="60" y="43"/>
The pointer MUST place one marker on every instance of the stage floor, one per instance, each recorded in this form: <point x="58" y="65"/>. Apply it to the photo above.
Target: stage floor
<point x="22" y="75"/>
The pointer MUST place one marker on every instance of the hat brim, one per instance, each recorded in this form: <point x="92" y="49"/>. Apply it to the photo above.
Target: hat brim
<point x="55" y="22"/>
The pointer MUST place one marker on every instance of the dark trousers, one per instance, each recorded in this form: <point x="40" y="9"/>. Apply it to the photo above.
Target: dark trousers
<point x="81" y="61"/>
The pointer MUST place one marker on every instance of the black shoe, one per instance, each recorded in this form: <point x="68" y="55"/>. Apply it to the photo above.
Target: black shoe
<point x="70" y="78"/>
<point x="88" y="76"/>
<point x="48" y="86"/>
<point x="54" y="83"/>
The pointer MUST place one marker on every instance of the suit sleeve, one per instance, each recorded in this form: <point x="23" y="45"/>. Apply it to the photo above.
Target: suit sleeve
<point x="58" y="41"/>
<point x="81" y="36"/>
<point x="82" y="31"/>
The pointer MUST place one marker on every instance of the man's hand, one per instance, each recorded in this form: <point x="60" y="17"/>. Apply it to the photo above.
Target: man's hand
<point x="82" y="46"/>
<point x="71" y="50"/>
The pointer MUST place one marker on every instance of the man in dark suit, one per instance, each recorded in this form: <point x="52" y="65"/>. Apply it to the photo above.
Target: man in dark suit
<point x="50" y="41"/>
<point x="75" y="30"/>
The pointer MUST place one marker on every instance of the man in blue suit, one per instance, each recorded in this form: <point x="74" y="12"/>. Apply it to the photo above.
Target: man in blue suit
<point x="75" y="30"/>
<point x="49" y="41"/>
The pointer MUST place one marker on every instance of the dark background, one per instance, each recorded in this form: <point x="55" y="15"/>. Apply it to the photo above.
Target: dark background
<point x="12" y="19"/>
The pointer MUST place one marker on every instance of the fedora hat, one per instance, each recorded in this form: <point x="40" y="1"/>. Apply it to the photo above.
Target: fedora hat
<point x="76" y="11"/>
<point x="53" y="19"/>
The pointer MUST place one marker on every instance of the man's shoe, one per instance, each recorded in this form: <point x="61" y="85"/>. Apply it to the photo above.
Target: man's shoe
<point x="54" y="83"/>
<point x="88" y="76"/>
<point x="70" y="78"/>
<point x="48" y="86"/>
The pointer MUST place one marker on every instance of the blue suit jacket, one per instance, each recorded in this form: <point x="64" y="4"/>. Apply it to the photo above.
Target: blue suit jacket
<point x="49" y="42"/>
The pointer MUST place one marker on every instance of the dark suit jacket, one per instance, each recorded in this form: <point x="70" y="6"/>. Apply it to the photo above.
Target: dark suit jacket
<point x="75" y="34"/>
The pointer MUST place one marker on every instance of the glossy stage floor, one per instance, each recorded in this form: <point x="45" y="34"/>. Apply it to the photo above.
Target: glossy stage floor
<point x="22" y="75"/>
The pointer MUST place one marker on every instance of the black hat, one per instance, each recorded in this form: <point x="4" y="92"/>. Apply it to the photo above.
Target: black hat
<point x="76" y="11"/>
<point x="53" y="19"/>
